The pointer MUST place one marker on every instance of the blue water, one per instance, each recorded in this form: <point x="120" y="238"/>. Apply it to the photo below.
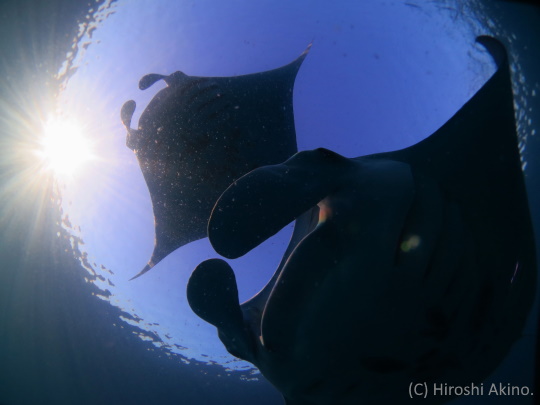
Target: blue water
<point x="380" y="76"/>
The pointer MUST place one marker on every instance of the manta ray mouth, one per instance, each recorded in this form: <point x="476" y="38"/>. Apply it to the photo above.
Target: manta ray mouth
<point x="423" y="226"/>
<point x="419" y="230"/>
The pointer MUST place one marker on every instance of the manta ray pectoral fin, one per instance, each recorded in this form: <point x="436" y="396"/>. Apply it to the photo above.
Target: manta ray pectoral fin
<point x="262" y="202"/>
<point x="475" y="160"/>
<point x="481" y="134"/>
<point x="213" y="295"/>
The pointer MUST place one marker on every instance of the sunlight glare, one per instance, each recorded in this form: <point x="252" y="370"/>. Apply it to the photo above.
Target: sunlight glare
<point x="64" y="147"/>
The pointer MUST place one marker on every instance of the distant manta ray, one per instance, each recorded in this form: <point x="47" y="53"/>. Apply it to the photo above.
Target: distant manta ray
<point x="198" y="135"/>
<point x="410" y="266"/>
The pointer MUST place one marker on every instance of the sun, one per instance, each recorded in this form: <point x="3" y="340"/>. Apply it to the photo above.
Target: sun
<point x="64" y="147"/>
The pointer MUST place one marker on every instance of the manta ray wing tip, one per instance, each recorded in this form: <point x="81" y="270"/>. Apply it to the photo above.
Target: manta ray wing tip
<point x="146" y="269"/>
<point x="305" y="53"/>
<point x="494" y="47"/>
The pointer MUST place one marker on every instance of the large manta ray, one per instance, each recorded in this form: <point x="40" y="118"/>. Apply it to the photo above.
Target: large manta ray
<point x="410" y="266"/>
<point x="198" y="135"/>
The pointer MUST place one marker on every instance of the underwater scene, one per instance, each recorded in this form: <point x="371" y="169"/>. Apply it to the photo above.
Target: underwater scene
<point x="269" y="202"/>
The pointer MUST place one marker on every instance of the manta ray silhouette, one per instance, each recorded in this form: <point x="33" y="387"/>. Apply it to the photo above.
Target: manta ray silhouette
<point x="198" y="135"/>
<point x="416" y="265"/>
